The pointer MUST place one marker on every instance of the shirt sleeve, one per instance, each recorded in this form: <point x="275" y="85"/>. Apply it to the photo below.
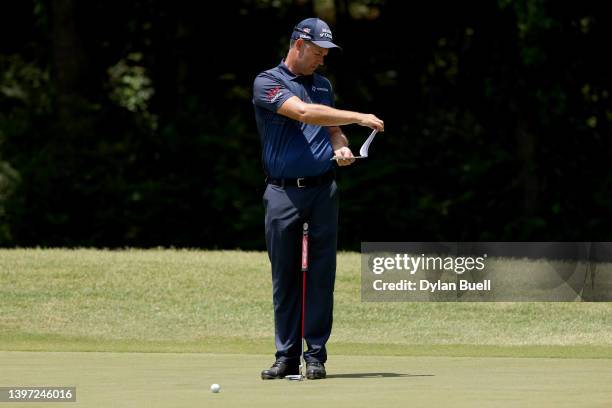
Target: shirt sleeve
<point x="269" y="93"/>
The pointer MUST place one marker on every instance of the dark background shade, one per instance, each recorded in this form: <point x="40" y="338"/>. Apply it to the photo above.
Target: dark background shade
<point x="131" y="123"/>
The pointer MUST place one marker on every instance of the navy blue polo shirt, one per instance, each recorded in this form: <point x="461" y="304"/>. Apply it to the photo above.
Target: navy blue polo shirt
<point x="290" y="148"/>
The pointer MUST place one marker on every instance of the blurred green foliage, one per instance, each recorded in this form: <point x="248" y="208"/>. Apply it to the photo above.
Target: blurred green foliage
<point x="140" y="131"/>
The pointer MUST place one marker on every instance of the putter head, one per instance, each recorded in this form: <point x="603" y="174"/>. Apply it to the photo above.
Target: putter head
<point x="296" y="377"/>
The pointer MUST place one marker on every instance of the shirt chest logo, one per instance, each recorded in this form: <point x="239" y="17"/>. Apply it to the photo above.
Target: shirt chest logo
<point x="315" y="89"/>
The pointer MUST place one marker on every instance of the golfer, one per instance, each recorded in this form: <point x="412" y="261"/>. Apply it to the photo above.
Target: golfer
<point x="299" y="130"/>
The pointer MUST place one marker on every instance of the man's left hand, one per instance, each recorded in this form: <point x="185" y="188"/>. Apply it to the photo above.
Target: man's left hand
<point x="347" y="155"/>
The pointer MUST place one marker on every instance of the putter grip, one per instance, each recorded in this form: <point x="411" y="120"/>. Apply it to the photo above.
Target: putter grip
<point x="305" y="247"/>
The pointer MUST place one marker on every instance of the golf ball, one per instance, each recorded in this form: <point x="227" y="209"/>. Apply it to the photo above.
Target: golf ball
<point x="215" y="388"/>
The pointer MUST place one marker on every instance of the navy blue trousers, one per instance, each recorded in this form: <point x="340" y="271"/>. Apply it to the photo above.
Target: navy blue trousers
<point x="286" y="210"/>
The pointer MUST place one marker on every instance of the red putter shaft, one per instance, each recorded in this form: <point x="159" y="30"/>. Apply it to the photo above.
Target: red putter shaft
<point x="304" y="269"/>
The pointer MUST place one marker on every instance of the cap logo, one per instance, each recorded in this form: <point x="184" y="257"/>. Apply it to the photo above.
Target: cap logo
<point x="326" y="33"/>
<point x="306" y="30"/>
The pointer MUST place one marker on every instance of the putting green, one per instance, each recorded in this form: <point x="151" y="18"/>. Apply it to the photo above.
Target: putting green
<point x="183" y="380"/>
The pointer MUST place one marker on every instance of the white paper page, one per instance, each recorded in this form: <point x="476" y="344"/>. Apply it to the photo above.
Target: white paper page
<point x="363" y="152"/>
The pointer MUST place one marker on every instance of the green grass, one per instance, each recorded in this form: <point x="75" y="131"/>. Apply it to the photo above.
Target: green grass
<point x="220" y="301"/>
<point x="183" y="380"/>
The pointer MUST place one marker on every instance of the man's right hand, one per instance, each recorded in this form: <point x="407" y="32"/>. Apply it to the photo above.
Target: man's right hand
<point x="372" y="122"/>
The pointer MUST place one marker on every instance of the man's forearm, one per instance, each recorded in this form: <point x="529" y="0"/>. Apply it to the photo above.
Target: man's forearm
<point x="338" y="139"/>
<point x="322" y="115"/>
<point x="315" y="114"/>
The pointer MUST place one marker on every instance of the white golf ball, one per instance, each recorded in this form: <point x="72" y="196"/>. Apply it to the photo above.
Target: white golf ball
<point x="215" y="388"/>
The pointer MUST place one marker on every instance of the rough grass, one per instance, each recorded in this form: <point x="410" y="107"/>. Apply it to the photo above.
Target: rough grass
<point x="188" y="300"/>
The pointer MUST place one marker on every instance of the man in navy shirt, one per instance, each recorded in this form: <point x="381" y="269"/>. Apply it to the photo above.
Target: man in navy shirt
<point x="299" y="129"/>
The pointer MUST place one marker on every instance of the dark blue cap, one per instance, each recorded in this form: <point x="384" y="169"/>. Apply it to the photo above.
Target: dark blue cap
<point x="316" y="31"/>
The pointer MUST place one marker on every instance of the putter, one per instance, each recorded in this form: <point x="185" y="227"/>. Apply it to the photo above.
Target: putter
<point x="302" y="374"/>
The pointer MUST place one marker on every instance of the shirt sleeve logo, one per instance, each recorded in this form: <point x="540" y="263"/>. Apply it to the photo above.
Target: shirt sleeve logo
<point x="273" y="94"/>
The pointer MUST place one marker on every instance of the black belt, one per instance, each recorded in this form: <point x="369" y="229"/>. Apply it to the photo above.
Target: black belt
<point x="302" y="182"/>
